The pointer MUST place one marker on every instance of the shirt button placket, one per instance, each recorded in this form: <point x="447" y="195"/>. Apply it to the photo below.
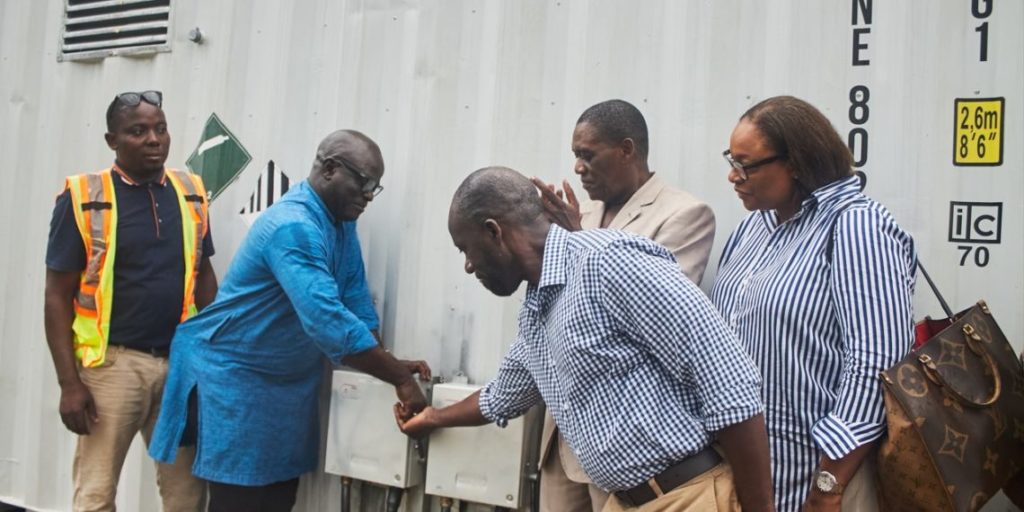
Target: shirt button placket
<point x="745" y="283"/>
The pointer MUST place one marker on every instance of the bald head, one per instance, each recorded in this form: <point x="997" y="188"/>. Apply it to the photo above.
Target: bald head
<point x="496" y="193"/>
<point x="354" y="147"/>
<point x="497" y="221"/>
<point x="346" y="173"/>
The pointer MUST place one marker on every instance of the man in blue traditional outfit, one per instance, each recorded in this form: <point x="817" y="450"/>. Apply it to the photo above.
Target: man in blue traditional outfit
<point x="295" y="292"/>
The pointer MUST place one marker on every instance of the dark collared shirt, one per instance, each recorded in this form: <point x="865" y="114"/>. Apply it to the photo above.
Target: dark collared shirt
<point x="149" y="260"/>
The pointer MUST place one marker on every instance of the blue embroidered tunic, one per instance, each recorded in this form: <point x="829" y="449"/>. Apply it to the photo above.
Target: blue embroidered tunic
<point x="294" y="295"/>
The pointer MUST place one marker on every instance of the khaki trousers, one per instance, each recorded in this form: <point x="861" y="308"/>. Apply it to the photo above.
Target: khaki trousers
<point x="558" y="493"/>
<point x="712" y="490"/>
<point x="127" y="391"/>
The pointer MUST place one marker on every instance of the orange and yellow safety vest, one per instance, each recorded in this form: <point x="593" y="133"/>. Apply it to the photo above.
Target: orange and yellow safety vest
<point x="95" y="207"/>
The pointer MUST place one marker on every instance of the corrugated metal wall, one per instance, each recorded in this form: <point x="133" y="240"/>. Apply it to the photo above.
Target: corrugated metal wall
<point x="447" y="87"/>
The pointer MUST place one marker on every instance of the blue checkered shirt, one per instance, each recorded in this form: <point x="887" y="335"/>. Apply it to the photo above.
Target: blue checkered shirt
<point x="635" y="364"/>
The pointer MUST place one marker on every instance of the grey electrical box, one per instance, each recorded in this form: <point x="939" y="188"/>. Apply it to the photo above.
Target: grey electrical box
<point x="482" y="464"/>
<point x="363" y="441"/>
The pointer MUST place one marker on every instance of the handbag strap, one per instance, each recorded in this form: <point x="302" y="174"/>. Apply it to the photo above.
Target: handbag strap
<point x="935" y="289"/>
<point x="835" y="220"/>
<point x="831" y="242"/>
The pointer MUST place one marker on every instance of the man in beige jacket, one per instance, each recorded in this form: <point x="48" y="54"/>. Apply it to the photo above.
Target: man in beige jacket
<point x="610" y="144"/>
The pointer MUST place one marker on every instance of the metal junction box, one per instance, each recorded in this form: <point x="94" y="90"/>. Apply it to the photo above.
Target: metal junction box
<point x="363" y="441"/>
<point x="482" y="464"/>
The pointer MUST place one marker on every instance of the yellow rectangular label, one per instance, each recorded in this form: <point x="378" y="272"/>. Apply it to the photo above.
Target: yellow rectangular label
<point x="978" y="131"/>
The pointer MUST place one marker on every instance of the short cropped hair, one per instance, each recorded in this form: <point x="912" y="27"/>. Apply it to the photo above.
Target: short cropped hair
<point x="497" y="193"/>
<point x="617" y="120"/>
<point x="114" y="112"/>
<point x="807" y="140"/>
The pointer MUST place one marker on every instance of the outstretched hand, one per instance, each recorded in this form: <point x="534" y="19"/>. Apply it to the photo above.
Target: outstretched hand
<point x="420" y="368"/>
<point x="410" y="398"/>
<point x="463" y="413"/>
<point x="414" y="425"/>
<point x="561" y="206"/>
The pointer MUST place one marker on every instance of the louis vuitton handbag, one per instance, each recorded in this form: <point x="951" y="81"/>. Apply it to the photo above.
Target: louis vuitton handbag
<point x="955" y="413"/>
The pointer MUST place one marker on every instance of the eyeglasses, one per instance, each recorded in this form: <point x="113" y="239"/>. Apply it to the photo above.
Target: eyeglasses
<point x="367" y="184"/>
<point x="744" y="169"/>
<point x="131" y="99"/>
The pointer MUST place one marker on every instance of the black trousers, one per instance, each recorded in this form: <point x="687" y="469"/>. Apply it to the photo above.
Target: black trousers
<point x="275" y="497"/>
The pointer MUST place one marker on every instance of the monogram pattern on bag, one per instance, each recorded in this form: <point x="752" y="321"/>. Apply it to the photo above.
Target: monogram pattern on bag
<point x="1018" y="385"/>
<point x="998" y="423"/>
<point x="910" y="481"/>
<point x="952" y="354"/>
<point x="978" y="500"/>
<point x="945" y="453"/>
<point x="952" y="404"/>
<point x="911" y="381"/>
<point x="990" y="461"/>
<point x="954" y="444"/>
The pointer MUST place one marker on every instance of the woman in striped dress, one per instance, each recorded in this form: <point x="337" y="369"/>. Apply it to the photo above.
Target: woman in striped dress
<point x="817" y="283"/>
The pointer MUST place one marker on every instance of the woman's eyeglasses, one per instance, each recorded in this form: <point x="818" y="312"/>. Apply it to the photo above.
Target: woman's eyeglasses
<point x="744" y="169"/>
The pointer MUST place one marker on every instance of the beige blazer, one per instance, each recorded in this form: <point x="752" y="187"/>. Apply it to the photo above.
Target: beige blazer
<point x="673" y="218"/>
<point x="667" y="215"/>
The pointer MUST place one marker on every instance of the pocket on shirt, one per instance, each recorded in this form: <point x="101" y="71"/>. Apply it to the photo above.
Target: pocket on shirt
<point x="602" y="356"/>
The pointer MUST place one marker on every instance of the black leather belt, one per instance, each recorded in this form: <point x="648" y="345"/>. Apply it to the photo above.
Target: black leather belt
<point x="163" y="352"/>
<point x="676" y="475"/>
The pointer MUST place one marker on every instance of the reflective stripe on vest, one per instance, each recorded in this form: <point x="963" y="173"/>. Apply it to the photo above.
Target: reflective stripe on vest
<point x="95" y="208"/>
<point x="192" y="201"/>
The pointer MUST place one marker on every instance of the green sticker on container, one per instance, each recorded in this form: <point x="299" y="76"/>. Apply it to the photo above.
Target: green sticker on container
<point x="218" y="158"/>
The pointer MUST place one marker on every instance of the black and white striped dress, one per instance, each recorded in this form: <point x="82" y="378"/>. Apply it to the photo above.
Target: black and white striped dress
<point x="823" y="304"/>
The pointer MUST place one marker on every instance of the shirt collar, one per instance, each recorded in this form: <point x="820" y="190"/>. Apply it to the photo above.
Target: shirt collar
<point x="823" y="196"/>
<point x="162" y="180"/>
<point x="553" y="270"/>
<point x="313" y="198"/>
<point x="837" y="190"/>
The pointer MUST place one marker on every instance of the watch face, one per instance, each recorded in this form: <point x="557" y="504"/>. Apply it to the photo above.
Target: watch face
<point x="825" y="481"/>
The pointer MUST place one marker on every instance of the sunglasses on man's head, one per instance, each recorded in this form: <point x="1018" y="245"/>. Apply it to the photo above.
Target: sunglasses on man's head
<point x="132" y="99"/>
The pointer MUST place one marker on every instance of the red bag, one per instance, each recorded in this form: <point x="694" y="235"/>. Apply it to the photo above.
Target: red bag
<point x="928" y="328"/>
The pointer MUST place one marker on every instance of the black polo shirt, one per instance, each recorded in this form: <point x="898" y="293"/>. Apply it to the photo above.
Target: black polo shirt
<point x="149" y="262"/>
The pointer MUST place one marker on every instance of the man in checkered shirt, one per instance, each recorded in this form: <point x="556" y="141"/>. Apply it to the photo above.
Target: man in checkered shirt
<point x="639" y="371"/>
